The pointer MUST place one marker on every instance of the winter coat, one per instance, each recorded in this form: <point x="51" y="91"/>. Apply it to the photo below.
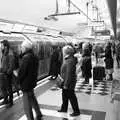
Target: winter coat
<point x="108" y="58"/>
<point x="86" y="52"/>
<point x="86" y="67"/>
<point x="28" y="70"/>
<point x="117" y="50"/>
<point x="68" y="72"/>
<point x="54" y="64"/>
<point x="7" y="67"/>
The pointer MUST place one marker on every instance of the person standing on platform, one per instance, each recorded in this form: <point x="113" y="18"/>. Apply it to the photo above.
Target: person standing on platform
<point x="54" y="64"/>
<point x="86" y="65"/>
<point x="117" y="50"/>
<point x="109" y="63"/>
<point x="68" y="73"/>
<point x="27" y="77"/>
<point x="6" y="72"/>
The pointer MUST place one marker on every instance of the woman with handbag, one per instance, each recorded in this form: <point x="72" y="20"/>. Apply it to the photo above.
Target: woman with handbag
<point x="68" y="73"/>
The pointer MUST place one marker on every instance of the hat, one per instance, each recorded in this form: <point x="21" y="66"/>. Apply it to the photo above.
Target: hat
<point x="68" y="50"/>
<point x="27" y="44"/>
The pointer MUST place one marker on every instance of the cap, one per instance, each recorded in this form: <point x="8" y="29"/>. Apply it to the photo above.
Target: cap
<point x="68" y="50"/>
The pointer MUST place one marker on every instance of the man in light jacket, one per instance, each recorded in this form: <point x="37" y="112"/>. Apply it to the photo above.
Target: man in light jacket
<point x="68" y="73"/>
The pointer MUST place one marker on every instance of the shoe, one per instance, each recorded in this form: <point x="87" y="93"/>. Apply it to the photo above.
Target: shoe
<point x="62" y="110"/>
<point x="39" y="117"/>
<point x="75" y="114"/>
<point x="51" y="78"/>
<point x="5" y="102"/>
<point x="10" y="104"/>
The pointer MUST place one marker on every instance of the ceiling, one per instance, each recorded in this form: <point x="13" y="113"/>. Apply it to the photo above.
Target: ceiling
<point x="34" y="12"/>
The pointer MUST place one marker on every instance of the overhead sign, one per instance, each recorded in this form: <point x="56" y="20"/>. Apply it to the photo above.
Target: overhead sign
<point x="107" y="37"/>
<point x="96" y="23"/>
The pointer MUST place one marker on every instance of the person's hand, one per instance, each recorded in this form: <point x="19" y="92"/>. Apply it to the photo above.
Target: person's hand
<point x="15" y="72"/>
<point x="64" y="87"/>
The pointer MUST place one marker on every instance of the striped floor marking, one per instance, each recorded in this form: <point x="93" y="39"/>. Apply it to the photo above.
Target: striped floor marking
<point x="16" y="97"/>
<point x="54" y="113"/>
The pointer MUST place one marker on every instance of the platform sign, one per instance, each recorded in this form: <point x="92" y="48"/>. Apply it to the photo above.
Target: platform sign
<point x="96" y="23"/>
<point x="29" y="28"/>
<point x="107" y="37"/>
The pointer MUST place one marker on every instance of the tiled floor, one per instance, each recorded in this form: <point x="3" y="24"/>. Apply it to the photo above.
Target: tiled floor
<point x="92" y="106"/>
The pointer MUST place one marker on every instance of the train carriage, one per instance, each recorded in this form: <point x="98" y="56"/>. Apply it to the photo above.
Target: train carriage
<point x="42" y="45"/>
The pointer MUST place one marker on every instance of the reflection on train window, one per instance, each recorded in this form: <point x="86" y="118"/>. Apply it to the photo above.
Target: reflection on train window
<point x="41" y="51"/>
<point x="47" y="50"/>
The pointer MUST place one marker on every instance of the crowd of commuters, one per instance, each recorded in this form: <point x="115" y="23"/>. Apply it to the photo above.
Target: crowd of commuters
<point x="63" y="62"/>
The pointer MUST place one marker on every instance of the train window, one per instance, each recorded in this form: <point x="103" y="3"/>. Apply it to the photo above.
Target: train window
<point x="41" y="51"/>
<point x="47" y="50"/>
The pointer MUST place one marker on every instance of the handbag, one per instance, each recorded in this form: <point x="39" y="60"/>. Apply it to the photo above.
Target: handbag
<point x="60" y="81"/>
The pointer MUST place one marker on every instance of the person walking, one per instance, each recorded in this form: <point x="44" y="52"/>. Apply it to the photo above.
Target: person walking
<point x="68" y="73"/>
<point x="27" y="76"/>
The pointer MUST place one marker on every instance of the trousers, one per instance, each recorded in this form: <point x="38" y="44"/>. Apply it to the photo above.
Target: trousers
<point x="6" y="89"/>
<point x="69" y="95"/>
<point x="29" y="102"/>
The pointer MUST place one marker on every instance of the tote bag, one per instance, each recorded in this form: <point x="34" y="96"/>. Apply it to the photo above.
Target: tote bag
<point x="60" y="81"/>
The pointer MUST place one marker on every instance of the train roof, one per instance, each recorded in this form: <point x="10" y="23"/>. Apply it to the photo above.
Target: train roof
<point x="12" y="37"/>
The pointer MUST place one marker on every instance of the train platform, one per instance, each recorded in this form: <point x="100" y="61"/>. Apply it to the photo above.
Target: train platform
<point x="94" y="102"/>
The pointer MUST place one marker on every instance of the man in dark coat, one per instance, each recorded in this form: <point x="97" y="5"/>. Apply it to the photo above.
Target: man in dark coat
<point x="109" y="63"/>
<point x="7" y="67"/>
<point x="86" y="65"/>
<point x="68" y="73"/>
<point x="54" y="64"/>
<point x="27" y="77"/>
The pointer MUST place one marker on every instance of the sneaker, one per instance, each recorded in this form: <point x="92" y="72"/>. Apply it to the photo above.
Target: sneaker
<point x="75" y="114"/>
<point x="62" y="110"/>
<point x="5" y="102"/>
<point x="39" y="117"/>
